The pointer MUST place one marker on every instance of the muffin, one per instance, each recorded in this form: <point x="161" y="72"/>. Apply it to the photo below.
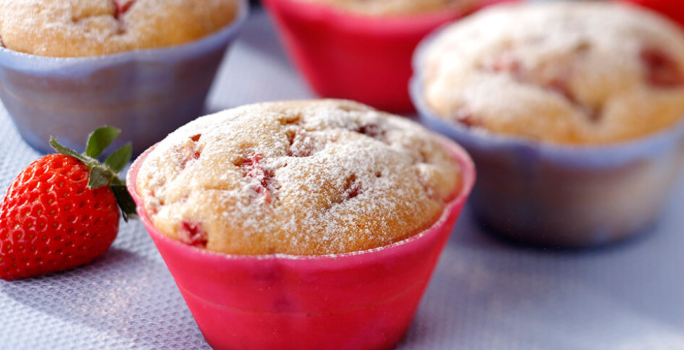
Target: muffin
<point x="396" y="7"/>
<point x="270" y="216"/>
<point x="361" y="50"/>
<point x="74" y="28"/>
<point x="144" y="66"/>
<point x="298" y="178"/>
<point x="571" y="110"/>
<point x="575" y="73"/>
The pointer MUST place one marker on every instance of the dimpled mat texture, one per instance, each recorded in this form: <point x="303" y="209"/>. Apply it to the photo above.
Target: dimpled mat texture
<point x="485" y="294"/>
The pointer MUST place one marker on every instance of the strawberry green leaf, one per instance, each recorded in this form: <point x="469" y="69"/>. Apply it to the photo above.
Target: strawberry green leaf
<point x="119" y="159"/>
<point x="100" y="139"/>
<point x="124" y="199"/>
<point x="90" y="162"/>
<point x="100" y="176"/>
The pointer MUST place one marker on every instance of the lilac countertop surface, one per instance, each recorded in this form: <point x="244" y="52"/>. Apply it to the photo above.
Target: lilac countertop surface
<point x="485" y="294"/>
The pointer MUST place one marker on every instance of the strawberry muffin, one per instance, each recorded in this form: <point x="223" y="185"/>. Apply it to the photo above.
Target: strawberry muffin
<point x="79" y="28"/>
<point x="396" y="7"/>
<point x="298" y="178"/>
<point x="571" y="73"/>
<point x="572" y="112"/>
<point x="271" y="216"/>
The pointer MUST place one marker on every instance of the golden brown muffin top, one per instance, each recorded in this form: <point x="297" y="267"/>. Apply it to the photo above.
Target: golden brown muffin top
<point x="300" y="178"/>
<point x="81" y="28"/>
<point x="396" y="7"/>
<point x="562" y="72"/>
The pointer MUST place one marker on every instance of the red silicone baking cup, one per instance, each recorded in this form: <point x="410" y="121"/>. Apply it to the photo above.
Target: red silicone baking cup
<point x="355" y="301"/>
<point x="356" y="57"/>
<point x="673" y="9"/>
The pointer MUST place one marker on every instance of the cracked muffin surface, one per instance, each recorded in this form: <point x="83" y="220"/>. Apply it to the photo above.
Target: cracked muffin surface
<point x="396" y="7"/>
<point x="299" y="178"/>
<point x="82" y="28"/>
<point x="564" y="72"/>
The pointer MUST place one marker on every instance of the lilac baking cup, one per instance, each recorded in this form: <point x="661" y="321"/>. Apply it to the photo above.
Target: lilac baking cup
<point x="146" y="93"/>
<point x="557" y="195"/>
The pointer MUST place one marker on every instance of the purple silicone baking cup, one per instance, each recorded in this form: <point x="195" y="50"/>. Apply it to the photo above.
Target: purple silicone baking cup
<point x="146" y="93"/>
<point x="556" y="195"/>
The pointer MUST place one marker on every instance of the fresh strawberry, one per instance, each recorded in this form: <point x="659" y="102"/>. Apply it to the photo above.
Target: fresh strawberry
<point x="62" y="211"/>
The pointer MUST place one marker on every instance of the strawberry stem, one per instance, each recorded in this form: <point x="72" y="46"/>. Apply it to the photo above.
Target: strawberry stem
<point x="105" y="174"/>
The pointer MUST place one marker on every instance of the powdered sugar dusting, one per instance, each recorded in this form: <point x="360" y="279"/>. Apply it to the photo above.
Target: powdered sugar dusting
<point x="572" y="72"/>
<point x="77" y="28"/>
<point x="301" y="178"/>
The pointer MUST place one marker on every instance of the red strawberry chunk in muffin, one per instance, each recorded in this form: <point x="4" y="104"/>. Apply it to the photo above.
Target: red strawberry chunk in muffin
<point x="661" y="69"/>
<point x="466" y="117"/>
<point x="192" y="234"/>
<point x="121" y="7"/>
<point x="507" y="62"/>
<point x="261" y="178"/>
<point x="371" y="130"/>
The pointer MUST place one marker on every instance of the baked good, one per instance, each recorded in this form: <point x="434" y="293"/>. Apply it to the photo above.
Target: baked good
<point x="396" y="7"/>
<point x="299" y="178"/>
<point x="303" y="179"/>
<point x="80" y="28"/>
<point x="560" y="72"/>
